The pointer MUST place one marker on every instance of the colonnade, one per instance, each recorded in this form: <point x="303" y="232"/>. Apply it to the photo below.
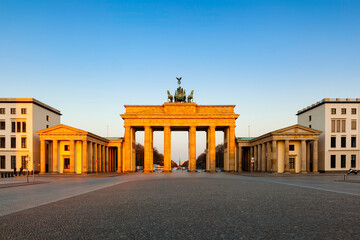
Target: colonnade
<point x="229" y="141"/>
<point x="274" y="156"/>
<point x="85" y="156"/>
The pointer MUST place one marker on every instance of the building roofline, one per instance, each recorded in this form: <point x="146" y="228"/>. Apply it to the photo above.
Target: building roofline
<point x="30" y="100"/>
<point x="328" y="100"/>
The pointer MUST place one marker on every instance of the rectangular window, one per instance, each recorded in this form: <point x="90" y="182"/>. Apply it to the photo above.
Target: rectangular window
<point x="333" y="111"/>
<point x="353" y="124"/>
<point x="353" y="161"/>
<point x="13" y="142"/>
<point x="333" y="126"/>
<point x="13" y="110"/>
<point x="353" y="142"/>
<point x="23" y="162"/>
<point x="338" y="122"/>
<point x="2" y="110"/>
<point x="66" y="147"/>
<point x="343" y="142"/>
<point x="309" y="126"/>
<point x="343" y="126"/>
<point x="13" y="162"/>
<point x="47" y="126"/>
<point x="292" y="147"/>
<point x="18" y="126"/>
<point x="343" y="161"/>
<point x="2" y="142"/>
<point x="23" y="126"/>
<point x="66" y="163"/>
<point x="353" y="111"/>
<point x="343" y="111"/>
<point x="2" y="125"/>
<point x="13" y="127"/>
<point x="333" y="142"/>
<point x="310" y="118"/>
<point x="2" y="162"/>
<point x="23" y="111"/>
<point x="291" y="163"/>
<point x="23" y="142"/>
<point x="333" y="161"/>
<point x="47" y="118"/>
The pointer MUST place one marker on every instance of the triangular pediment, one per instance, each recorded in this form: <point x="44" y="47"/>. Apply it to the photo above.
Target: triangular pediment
<point x="61" y="129"/>
<point x="296" y="129"/>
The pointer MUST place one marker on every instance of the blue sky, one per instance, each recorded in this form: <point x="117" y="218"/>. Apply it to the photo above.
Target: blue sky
<point x="269" y="58"/>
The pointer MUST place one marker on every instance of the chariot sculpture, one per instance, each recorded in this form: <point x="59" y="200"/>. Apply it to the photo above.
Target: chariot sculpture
<point x="180" y="94"/>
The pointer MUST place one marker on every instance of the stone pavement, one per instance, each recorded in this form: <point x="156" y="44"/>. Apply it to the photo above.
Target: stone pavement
<point x="183" y="205"/>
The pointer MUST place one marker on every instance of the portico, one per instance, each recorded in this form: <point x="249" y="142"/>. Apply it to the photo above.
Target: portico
<point x="182" y="116"/>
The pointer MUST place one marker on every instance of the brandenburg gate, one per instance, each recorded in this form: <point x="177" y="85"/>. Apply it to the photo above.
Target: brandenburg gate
<point x="179" y="114"/>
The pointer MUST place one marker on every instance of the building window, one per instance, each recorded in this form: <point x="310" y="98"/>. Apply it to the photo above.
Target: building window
<point x="353" y="141"/>
<point x="353" y="124"/>
<point x="13" y="142"/>
<point x="13" y="127"/>
<point x="353" y="161"/>
<point x="2" y="110"/>
<point x="338" y="125"/>
<point x="343" y="161"/>
<point x="353" y="111"/>
<point x="309" y="126"/>
<point x="291" y="163"/>
<point x="18" y="126"/>
<point x="309" y="118"/>
<point x="2" y="162"/>
<point x="66" y="163"/>
<point x="2" y="124"/>
<point x="23" y="126"/>
<point x="333" y="161"/>
<point x="23" y="111"/>
<point x="333" y="142"/>
<point x="47" y="118"/>
<point x="23" y="162"/>
<point x="343" y="111"/>
<point x="23" y="142"/>
<point x="67" y="147"/>
<point x="333" y="111"/>
<point x="13" y="110"/>
<point x="333" y="128"/>
<point x="47" y="126"/>
<point x="343" y="142"/>
<point x="2" y="142"/>
<point x="343" y="125"/>
<point x="292" y="147"/>
<point x="13" y="162"/>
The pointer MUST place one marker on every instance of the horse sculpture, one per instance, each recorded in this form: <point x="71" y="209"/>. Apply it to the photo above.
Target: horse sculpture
<point x="190" y="97"/>
<point x="170" y="97"/>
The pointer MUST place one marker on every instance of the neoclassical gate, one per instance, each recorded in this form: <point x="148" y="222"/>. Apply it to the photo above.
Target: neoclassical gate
<point x="179" y="116"/>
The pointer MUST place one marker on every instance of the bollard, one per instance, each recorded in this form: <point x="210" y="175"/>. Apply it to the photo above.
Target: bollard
<point x="345" y="177"/>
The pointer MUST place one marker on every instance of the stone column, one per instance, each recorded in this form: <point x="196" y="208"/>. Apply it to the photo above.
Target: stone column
<point x="96" y="157"/>
<point x="232" y="148"/>
<point x="286" y="157"/>
<point x="90" y="161"/>
<point x="72" y="156"/>
<point x="226" y="149"/>
<point x="315" y="156"/>
<point x="274" y="156"/>
<point x="263" y="158"/>
<point x="268" y="157"/>
<point x="119" y="159"/>
<point x="60" y="160"/>
<point x="84" y="156"/>
<point x="251" y="155"/>
<point x="110" y="159"/>
<point x="192" y="149"/>
<point x="42" y="156"/>
<point x="147" y="149"/>
<point x="212" y="151"/>
<point x="303" y="156"/>
<point x="167" y="149"/>
<point x="151" y="150"/>
<point x="55" y="160"/>
<point x="103" y="158"/>
<point x="256" y="158"/>
<point x="127" y="150"/>
<point x="240" y="158"/>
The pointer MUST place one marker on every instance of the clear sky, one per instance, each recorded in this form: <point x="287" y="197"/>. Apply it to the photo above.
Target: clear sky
<point x="89" y="58"/>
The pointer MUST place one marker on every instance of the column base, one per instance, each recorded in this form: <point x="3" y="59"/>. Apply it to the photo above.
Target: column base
<point x="167" y="171"/>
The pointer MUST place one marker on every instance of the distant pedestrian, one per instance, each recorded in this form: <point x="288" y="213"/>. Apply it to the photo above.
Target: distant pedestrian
<point x="21" y="170"/>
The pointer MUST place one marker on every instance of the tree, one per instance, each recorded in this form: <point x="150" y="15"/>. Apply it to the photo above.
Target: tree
<point x="139" y="152"/>
<point x="220" y="155"/>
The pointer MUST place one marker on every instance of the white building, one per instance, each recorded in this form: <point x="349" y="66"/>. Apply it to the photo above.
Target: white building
<point x="338" y="119"/>
<point x="20" y="118"/>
